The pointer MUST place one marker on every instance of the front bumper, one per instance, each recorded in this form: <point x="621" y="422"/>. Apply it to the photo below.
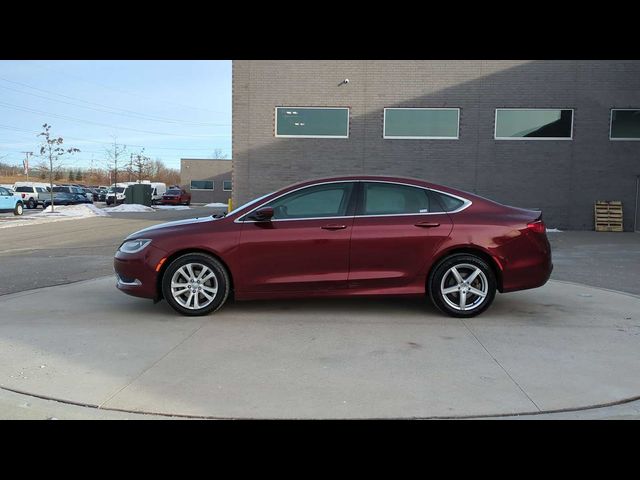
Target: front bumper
<point x="136" y="273"/>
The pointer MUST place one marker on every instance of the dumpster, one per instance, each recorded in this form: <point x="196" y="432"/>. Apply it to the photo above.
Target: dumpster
<point x="138" y="193"/>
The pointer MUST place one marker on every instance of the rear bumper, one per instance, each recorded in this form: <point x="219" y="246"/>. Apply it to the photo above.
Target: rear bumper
<point x="528" y="266"/>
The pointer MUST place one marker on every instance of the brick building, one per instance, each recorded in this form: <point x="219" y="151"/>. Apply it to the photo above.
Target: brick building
<point x="555" y="135"/>
<point x="208" y="180"/>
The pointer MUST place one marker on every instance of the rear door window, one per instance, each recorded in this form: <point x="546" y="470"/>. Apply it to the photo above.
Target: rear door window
<point x="393" y="199"/>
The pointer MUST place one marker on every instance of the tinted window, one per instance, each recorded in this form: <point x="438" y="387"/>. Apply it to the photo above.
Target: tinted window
<point x="329" y="200"/>
<point x="625" y="124"/>
<point x="24" y="189"/>
<point x="390" y="199"/>
<point x="226" y="185"/>
<point x="312" y="122"/>
<point x="173" y="192"/>
<point x="201" y="185"/>
<point x="533" y="123"/>
<point x="444" y="202"/>
<point x="415" y="123"/>
<point x="3" y="191"/>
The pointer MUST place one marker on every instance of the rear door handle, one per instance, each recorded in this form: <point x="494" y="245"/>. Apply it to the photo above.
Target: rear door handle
<point x="333" y="227"/>
<point x="427" y="224"/>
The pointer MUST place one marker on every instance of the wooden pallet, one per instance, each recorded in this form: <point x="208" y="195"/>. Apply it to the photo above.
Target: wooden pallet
<point x="608" y="216"/>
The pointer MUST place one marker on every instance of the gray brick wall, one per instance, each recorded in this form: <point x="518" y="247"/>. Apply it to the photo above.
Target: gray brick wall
<point x="564" y="178"/>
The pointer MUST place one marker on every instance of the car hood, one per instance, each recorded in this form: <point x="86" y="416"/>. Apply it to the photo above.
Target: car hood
<point x="164" y="227"/>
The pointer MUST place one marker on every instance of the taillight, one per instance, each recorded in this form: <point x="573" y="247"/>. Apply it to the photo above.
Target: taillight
<point x="23" y="195"/>
<point x="537" y="226"/>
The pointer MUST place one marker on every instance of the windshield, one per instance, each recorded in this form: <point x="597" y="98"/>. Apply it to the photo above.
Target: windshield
<point x="60" y="189"/>
<point x="118" y="189"/>
<point x="173" y="192"/>
<point x="249" y="203"/>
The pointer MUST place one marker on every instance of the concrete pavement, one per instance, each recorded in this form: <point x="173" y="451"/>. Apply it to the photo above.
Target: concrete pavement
<point x="562" y="346"/>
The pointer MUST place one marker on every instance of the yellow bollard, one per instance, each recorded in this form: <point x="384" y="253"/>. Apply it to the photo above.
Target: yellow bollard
<point x="229" y="206"/>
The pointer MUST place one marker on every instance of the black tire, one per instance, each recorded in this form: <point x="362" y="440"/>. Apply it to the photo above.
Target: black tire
<point x="18" y="210"/>
<point x="31" y="203"/>
<point x="221" y="277"/>
<point x="450" y="303"/>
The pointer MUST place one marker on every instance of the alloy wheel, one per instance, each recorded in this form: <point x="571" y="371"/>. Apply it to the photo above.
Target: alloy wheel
<point x="464" y="287"/>
<point x="194" y="286"/>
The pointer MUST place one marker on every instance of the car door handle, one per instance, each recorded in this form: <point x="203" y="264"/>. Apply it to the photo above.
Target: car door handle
<point x="427" y="224"/>
<point x="333" y="227"/>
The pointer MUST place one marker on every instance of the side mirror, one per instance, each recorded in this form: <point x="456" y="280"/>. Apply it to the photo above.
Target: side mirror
<point x="263" y="214"/>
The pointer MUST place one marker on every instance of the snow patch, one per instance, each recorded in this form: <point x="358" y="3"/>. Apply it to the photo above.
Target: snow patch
<point x="172" y="207"/>
<point x="84" y="210"/>
<point x="553" y="230"/>
<point x="130" y="207"/>
<point x="217" y="205"/>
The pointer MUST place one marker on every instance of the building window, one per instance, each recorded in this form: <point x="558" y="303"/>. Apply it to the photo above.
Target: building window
<point x="201" y="185"/>
<point x="625" y="124"/>
<point x="312" y="122"/>
<point x="226" y="185"/>
<point x="422" y="123"/>
<point x="533" y="124"/>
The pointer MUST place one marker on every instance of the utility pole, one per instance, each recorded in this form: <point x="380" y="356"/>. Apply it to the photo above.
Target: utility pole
<point x="26" y="163"/>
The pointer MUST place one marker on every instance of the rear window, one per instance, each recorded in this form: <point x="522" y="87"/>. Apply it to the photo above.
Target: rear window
<point x="60" y="189"/>
<point x="24" y="189"/>
<point x="446" y="202"/>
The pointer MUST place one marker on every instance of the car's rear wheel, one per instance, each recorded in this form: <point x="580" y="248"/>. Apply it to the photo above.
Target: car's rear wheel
<point x="462" y="285"/>
<point x="18" y="210"/>
<point x="195" y="284"/>
<point x="31" y="203"/>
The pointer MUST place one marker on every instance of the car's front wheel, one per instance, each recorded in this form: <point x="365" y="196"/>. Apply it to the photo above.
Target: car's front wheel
<point x="195" y="284"/>
<point x="462" y="285"/>
<point x="18" y="210"/>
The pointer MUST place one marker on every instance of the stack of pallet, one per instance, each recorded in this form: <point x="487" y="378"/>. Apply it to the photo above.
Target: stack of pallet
<point x="608" y="216"/>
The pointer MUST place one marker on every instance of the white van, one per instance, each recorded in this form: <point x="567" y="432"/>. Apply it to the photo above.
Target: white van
<point x="157" y="190"/>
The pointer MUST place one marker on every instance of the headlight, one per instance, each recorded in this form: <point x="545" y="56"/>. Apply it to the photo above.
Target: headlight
<point x="134" y="246"/>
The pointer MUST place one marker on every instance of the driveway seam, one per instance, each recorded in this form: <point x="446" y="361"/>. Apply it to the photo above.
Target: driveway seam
<point x="500" y="365"/>
<point x="111" y="397"/>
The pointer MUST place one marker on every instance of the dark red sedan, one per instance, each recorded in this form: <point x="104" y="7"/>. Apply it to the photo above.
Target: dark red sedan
<point x="176" y="196"/>
<point x="344" y="236"/>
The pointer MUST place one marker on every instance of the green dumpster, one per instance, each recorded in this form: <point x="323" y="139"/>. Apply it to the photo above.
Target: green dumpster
<point x="139" y="193"/>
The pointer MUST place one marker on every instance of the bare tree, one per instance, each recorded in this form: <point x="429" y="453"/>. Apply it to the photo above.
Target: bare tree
<point x="114" y="155"/>
<point x="141" y="165"/>
<point x="52" y="149"/>
<point x="219" y="154"/>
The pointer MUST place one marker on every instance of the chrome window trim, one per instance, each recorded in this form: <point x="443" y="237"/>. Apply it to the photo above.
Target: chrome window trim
<point x="467" y="203"/>
<point x="237" y="220"/>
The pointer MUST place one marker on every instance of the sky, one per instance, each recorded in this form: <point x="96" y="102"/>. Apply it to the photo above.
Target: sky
<point x="173" y="108"/>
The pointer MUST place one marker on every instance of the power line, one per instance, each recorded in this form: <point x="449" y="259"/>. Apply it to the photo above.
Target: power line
<point x="128" y="113"/>
<point x="80" y="120"/>
<point x="137" y="95"/>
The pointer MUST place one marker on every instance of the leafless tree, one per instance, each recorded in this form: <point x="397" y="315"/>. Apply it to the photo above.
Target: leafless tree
<point x="219" y="154"/>
<point x="51" y="148"/>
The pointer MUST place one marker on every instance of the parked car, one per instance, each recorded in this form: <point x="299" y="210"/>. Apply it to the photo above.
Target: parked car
<point x="32" y="193"/>
<point x="176" y="196"/>
<point x="342" y="236"/>
<point x="65" y="198"/>
<point x="88" y="193"/>
<point x="10" y="202"/>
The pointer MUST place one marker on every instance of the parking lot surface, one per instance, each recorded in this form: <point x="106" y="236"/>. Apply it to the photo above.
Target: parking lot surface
<point x="561" y="347"/>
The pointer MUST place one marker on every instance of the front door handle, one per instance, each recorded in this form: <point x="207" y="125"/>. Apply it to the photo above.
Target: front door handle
<point x="427" y="224"/>
<point x="333" y="227"/>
